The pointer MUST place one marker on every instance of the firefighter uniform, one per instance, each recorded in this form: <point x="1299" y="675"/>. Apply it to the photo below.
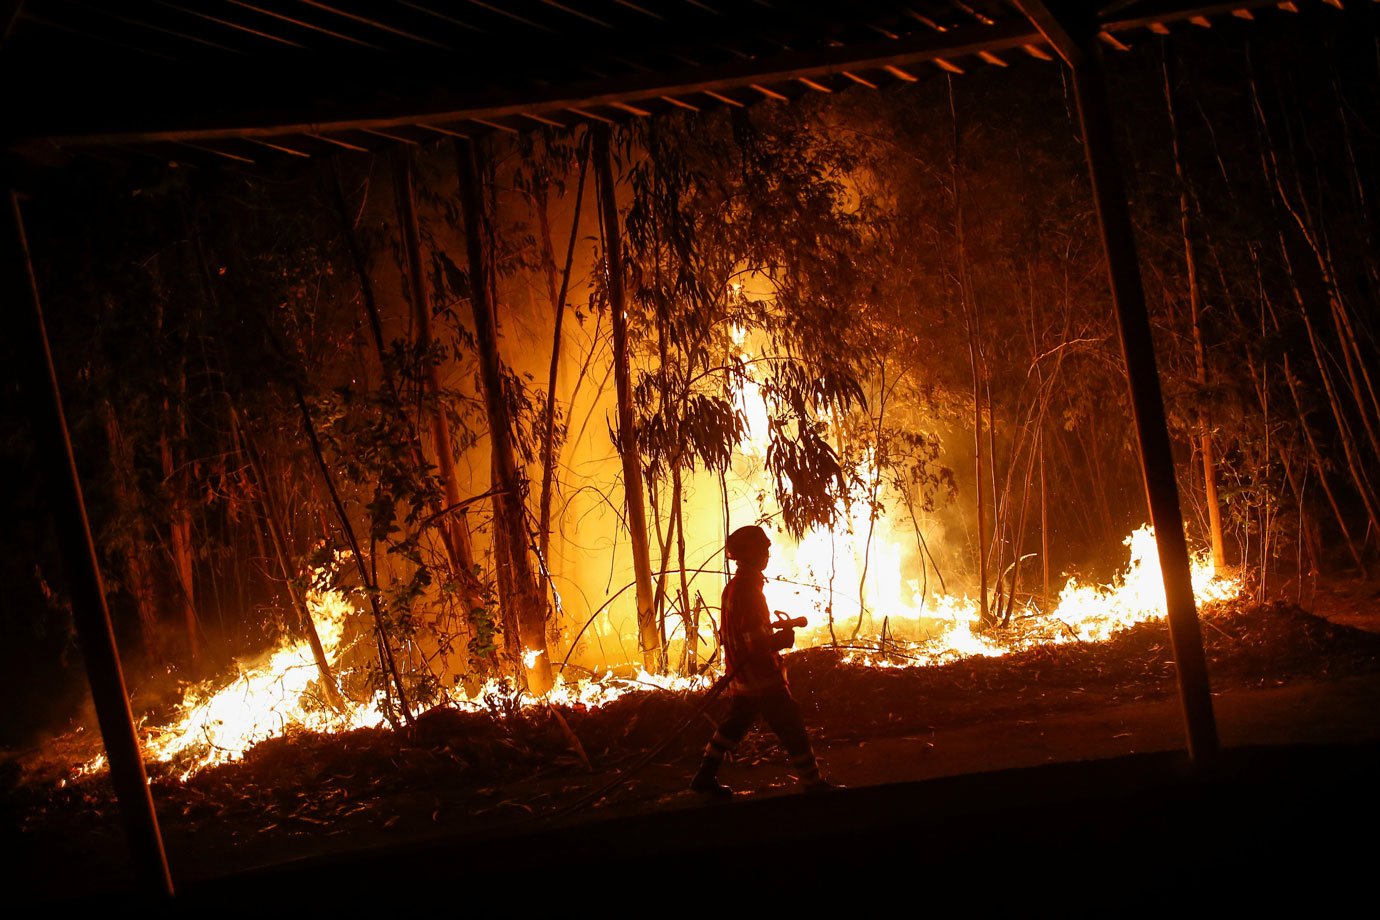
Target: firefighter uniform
<point x="757" y="678"/>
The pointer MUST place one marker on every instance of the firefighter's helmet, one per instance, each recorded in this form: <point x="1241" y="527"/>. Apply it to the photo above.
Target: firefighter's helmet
<point x="749" y="542"/>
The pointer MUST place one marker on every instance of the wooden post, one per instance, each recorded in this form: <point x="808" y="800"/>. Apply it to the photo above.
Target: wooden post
<point x="1076" y="43"/>
<point x="649" y="637"/>
<point x="83" y="575"/>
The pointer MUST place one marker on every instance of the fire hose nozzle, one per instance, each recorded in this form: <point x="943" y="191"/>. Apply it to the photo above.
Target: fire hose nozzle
<point x="785" y="622"/>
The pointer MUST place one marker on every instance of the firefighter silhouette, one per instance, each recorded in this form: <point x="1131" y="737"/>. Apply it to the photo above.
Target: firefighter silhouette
<point x="757" y="685"/>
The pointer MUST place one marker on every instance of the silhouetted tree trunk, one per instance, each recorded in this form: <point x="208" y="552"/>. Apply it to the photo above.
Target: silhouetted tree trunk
<point x="526" y="598"/>
<point x="180" y="551"/>
<point x="277" y="532"/>
<point x="549" y="452"/>
<point x="969" y="310"/>
<point x="387" y="661"/>
<point x="689" y="616"/>
<point x="455" y="532"/>
<point x="1195" y="307"/>
<point x="136" y="552"/>
<point x="635" y="500"/>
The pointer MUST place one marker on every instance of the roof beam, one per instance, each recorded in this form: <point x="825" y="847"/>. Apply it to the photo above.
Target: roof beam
<point x="1054" y="29"/>
<point x="1148" y="14"/>
<point x="176" y="121"/>
<point x="157" y="110"/>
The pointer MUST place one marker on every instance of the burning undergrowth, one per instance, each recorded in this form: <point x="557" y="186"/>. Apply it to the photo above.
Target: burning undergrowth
<point x="281" y="693"/>
<point x="493" y="761"/>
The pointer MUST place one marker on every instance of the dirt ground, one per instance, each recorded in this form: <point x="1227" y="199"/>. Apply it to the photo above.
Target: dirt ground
<point x="1282" y="675"/>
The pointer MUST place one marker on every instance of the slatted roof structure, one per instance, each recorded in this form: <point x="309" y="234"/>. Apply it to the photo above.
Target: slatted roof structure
<point x="247" y="81"/>
<point x="244" y="81"/>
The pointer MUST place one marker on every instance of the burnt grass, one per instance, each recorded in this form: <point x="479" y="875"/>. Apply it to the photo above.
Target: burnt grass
<point x="490" y="767"/>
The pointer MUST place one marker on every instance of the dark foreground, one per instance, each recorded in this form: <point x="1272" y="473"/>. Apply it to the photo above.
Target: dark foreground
<point x="1110" y="836"/>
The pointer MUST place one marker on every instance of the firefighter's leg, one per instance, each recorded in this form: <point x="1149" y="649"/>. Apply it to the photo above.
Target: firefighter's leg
<point x="782" y="713"/>
<point x="742" y="712"/>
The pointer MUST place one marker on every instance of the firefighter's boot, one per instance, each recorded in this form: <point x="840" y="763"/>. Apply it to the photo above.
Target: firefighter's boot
<point x="706" y="779"/>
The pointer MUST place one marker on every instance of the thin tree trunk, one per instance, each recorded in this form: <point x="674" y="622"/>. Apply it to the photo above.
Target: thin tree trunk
<point x="455" y="533"/>
<point x="527" y="596"/>
<point x="360" y="262"/>
<point x="1195" y="306"/>
<point x="663" y="573"/>
<point x="1018" y="542"/>
<point x="277" y="533"/>
<point x="549" y="452"/>
<point x="1352" y="357"/>
<point x="513" y="646"/>
<point x="970" y="322"/>
<point x="635" y="500"/>
<point x="1044" y="524"/>
<point x="387" y="660"/>
<point x="452" y="524"/>
<point x="689" y="616"/>
<point x="180" y="520"/>
<point x="1314" y="452"/>
<point x="996" y="548"/>
<point x="1354" y="466"/>
<point x="138" y="579"/>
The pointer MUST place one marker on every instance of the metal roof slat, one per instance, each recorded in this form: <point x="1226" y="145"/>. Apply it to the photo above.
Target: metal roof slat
<point x="770" y="93"/>
<point x="861" y="81"/>
<point x="304" y="24"/>
<point x="508" y="14"/>
<point x="138" y="24"/>
<point x="544" y="120"/>
<point x="230" y="24"/>
<point x="594" y="20"/>
<point x="220" y="153"/>
<point x="339" y="143"/>
<point x="373" y="23"/>
<point x="496" y="125"/>
<point x="94" y="37"/>
<point x="425" y="10"/>
<point x="446" y="132"/>
<point x="281" y="148"/>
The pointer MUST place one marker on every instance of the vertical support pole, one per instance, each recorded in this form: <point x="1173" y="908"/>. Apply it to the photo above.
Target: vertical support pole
<point x="89" y="611"/>
<point x="1147" y="402"/>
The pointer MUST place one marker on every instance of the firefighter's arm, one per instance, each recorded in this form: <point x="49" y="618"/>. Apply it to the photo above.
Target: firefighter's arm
<point x="759" y="640"/>
<point x="758" y="636"/>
